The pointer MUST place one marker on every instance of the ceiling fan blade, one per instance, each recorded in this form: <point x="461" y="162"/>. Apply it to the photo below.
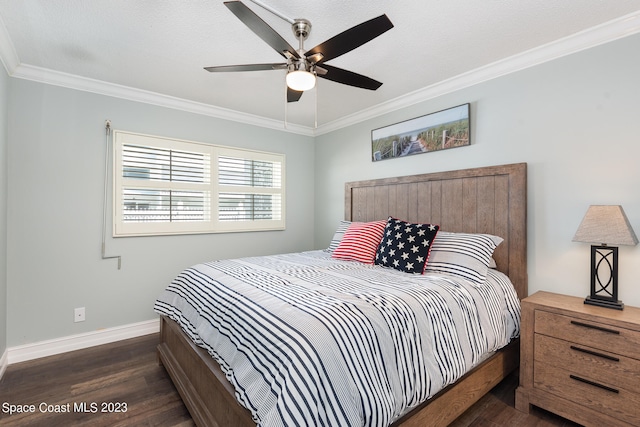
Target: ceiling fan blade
<point x="261" y="28"/>
<point x="293" y="95"/>
<point x="350" y="78"/>
<point x="249" y="67"/>
<point x="351" y="38"/>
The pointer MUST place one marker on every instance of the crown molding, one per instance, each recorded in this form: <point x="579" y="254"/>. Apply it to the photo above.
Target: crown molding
<point x="57" y="78"/>
<point x="609" y="31"/>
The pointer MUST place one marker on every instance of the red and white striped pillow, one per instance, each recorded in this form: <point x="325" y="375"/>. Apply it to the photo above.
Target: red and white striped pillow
<point x="360" y="241"/>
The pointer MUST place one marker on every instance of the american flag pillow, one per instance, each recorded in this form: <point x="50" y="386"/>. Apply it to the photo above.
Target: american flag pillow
<point x="406" y="246"/>
<point x="360" y="241"/>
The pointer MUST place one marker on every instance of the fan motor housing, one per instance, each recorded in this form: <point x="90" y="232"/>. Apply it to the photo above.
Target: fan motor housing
<point x="301" y="28"/>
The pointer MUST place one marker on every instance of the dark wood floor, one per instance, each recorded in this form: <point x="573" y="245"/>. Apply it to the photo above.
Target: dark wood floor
<point x="126" y="376"/>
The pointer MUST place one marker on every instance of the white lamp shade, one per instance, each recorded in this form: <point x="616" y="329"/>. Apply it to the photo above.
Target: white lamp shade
<point x="301" y="80"/>
<point x="606" y="224"/>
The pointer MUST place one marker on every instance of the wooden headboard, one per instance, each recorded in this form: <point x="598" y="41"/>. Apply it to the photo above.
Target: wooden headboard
<point x="490" y="200"/>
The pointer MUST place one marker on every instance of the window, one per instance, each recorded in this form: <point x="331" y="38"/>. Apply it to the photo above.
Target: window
<point x="166" y="186"/>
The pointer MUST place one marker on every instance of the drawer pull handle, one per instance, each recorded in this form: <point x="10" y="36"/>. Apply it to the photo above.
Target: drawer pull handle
<point x="599" y="328"/>
<point x="595" y="353"/>
<point x="604" y="387"/>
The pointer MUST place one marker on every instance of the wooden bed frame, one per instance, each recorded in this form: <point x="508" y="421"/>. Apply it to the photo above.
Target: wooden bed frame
<point x="489" y="200"/>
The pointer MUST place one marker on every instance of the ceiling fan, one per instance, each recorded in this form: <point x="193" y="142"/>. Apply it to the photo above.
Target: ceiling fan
<point x="303" y="67"/>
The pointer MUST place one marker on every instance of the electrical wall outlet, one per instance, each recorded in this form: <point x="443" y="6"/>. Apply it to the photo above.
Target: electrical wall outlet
<point x="78" y="314"/>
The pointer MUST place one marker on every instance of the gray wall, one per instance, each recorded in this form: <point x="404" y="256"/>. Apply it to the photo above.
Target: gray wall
<point x="573" y="120"/>
<point x="4" y="79"/>
<point x="55" y="173"/>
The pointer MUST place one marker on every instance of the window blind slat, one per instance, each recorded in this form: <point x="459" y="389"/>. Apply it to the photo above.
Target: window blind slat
<point x="144" y="205"/>
<point x="160" y="164"/>
<point x="250" y="173"/>
<point x="246" y="207"/>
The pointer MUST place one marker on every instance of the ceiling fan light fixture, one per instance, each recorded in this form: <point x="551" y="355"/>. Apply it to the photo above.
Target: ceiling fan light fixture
<point x="301" y="80"/>
<point x="303" y="66"/>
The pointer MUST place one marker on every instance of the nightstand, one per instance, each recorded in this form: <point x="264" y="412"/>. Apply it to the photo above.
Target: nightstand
<point x="580" y="361"/>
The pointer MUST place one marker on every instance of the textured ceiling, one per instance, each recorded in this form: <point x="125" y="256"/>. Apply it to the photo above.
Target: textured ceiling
<point x="161" y="46"/>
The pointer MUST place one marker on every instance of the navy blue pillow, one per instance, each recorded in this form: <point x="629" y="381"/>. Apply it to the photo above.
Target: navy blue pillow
<point x="406" y="246"/>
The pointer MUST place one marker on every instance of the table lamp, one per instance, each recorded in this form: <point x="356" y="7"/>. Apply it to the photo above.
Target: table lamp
<point x="605" y="225"/>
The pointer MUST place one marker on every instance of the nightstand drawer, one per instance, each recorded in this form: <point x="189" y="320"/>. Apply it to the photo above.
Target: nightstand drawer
<point x="590" y="333"/>
<point x="589" y="363"/>
<point x="604" y="398"/>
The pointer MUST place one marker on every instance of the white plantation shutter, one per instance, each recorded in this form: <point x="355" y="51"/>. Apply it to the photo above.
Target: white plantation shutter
<point x="184" y="177"/>
<point x="249" y="189"/>
<point x="164" y="186"/>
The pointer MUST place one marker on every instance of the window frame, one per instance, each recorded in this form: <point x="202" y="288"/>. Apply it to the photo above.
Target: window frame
<point x="210" y="224"/>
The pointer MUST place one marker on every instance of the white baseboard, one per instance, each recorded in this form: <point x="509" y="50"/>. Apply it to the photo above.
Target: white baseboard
<point x="32" y="351"/>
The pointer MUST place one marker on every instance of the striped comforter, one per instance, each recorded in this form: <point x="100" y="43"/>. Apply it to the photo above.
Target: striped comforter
<point x="309" y="340"/>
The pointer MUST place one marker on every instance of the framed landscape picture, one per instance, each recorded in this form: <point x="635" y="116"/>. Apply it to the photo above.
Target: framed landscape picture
<point x="436" y="131"/>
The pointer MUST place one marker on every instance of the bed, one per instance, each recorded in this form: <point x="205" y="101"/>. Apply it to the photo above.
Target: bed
<point x="490" y="200"/>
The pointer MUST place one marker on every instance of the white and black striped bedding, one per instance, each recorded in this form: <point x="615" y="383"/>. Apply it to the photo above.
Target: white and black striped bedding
<point x="309" y="340"/>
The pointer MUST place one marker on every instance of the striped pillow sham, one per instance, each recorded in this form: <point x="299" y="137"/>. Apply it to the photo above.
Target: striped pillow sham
<point x="338" y="235"/>
<point x="360" y="241"/>
<point x="462" y="254"/>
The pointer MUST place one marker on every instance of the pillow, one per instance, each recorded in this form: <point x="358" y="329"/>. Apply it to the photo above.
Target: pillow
<point x="337" y="236"/>
<point x="462" y="254"/>
<point x="360" y="241"/>
<point x="406" y="246"/>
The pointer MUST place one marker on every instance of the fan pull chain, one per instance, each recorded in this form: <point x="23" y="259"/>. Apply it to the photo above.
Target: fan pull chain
<point x="286" y="109"/>
<point x="315" y="121"/>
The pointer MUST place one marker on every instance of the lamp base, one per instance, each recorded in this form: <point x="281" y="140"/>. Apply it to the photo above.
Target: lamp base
<point x="617" y="305"/>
